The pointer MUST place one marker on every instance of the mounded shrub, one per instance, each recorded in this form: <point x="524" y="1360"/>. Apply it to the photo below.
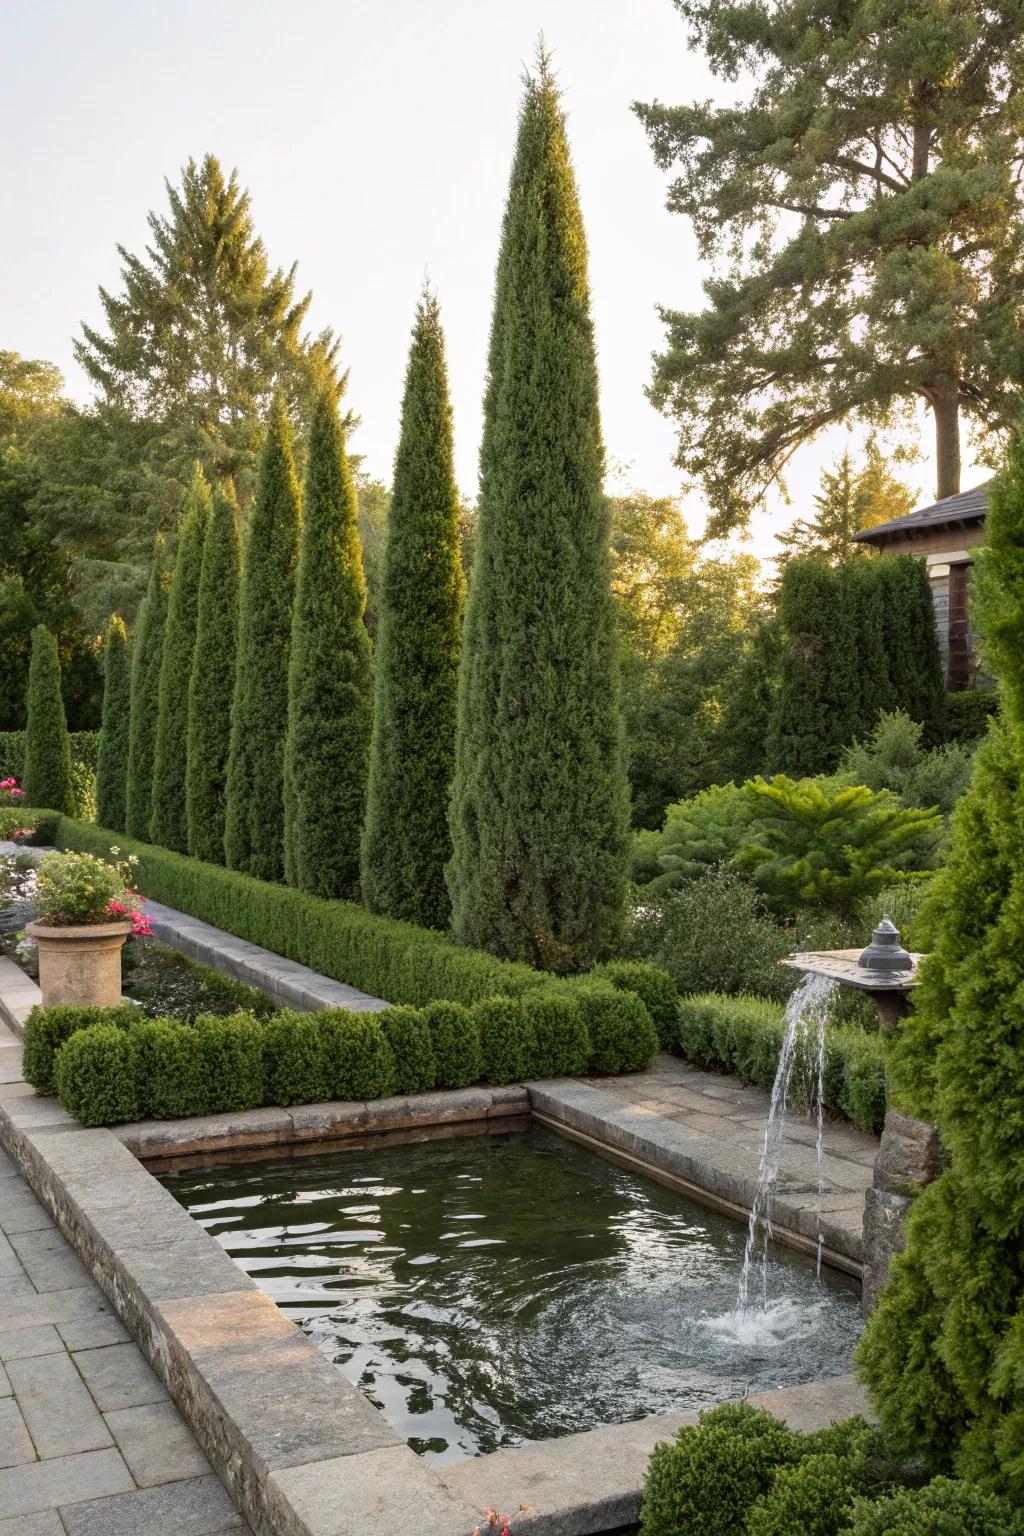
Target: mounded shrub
<point x="46" y="1030"/>
<point x="655" y="988"/>
<point x="231" y="1051"/>
<point x="709" y="1476"/>
<point x="621" y="1031"/>
<point x="412" y="1045"/>
<point x="296" y="1060"/>
<point x="561" y="1044"/>
<point x="970" y="713"/>
<point x="172" y="1077"/>
<point x="458" y="1060"/>
<point x="360" y="1061"/>
<point x="507" y="1043"/>
<point x="942" y="1508"/>
<point x="810" y="1498"/>
<point x="96" y="1075"/>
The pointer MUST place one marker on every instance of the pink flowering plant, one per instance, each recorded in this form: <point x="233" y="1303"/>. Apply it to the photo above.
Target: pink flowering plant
<point x="80" y="888"/>
<point x="10" y="794"/>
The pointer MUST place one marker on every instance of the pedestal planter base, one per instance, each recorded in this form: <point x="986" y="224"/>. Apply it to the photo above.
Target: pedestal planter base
<point x="80" y="965"/>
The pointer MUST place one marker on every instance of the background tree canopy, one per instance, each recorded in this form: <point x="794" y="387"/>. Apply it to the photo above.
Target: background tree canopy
<point x="862" y="204"/>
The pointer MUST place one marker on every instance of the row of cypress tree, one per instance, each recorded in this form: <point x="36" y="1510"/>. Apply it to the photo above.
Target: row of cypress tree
<point x="475" y="777"/>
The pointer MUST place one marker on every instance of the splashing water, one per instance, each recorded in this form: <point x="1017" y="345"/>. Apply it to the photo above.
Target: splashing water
<point x="804" y="1019"/>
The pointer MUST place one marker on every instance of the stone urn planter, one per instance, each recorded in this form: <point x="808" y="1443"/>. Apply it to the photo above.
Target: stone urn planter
<point x="80" y="964"/>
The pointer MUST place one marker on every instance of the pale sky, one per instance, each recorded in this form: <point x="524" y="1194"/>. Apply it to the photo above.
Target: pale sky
<point x="375" y="140"/>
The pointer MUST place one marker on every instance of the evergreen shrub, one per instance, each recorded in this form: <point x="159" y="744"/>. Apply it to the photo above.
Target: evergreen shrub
<point x="112" y="760"/>
<point x="172" y="1078"/>
<point x="231" y="1050"/>
<point x="361" y="1063"/>
<point x="507" y="1043"/>
<point x="744" y="1035"/>
<point x="96" y="1075"/>
<point x="709" y="1476"/>
<point x="621" y="1031"/>
<point x="969" y="714"/>
<point x="212" y="682"/>
<point x="46" y="1030"/>
<point x="455" y="1034"/>
<point x="554" y="1021"/>
<point x="942" y="1508"/>
<point x="811" y="1498"/>
<point x="297" y="1068"/>
<point x="147" y="653"/>
<point x="408" y="1033"/>
<point x="48" y="779"/>
<point x="653" y="985"/>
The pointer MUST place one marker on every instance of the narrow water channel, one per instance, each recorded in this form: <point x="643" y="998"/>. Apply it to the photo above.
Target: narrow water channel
<point x="487" y="1290"/>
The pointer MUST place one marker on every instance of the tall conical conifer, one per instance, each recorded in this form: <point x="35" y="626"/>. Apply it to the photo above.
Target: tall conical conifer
<point x="47" y="748"/>
<point x="540" y="803"/>
<point x="254" y="833"/>
<point x="147" y="650"/>
<point x="406" y="841"/>
<point x="330" y="699"/>
<point x="112" y="759"/>
<point x="167" y="822"/>
<point x="212" y="684"/>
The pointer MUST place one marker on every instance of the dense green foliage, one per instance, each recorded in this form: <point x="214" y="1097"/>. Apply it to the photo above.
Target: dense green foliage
<point x="212" y="681"/>
<point x="112" y="762"/>
<point x="744" y="1035"/>
<point x="330" y="699"/>
<point x="147" y="653"/>
<point x="540" y="804"/>
<point x="621" y="1031"/>
<point x="409" y="1035"/>
<point x="85" y="746"/>
<point x="912" y="662"/>
<point x="968" y="714"/>
<point x="47" y="748"/>
<point x="893" y="758"/>
<point x="943" y="1353"/>
<point x="97" y="1076"/>
<point x="46" y="1030"/>
<point x="941" y="1508"/>
<point x="809" y="846"/>
<point x="858" y="194"/>
<point x="699" y="834"/>
<point x="849" y="501"/>
<point x="406" y="842"/>
<point x="254" y="828"/>
<point x="167" y="823"/>
<point x="456" y="1039"/>
<point x="654" y="986"/>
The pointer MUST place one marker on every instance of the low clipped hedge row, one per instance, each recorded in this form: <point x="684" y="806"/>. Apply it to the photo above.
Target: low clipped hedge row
<point x="744" y="1035"/>
<point x="111" y="1064"/>
<point x="742" y="1472"/>
<point x="340" y="939"/>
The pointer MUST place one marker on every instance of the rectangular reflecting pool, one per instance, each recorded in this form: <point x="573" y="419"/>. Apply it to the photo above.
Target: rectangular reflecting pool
<point x="486" y="1290"/>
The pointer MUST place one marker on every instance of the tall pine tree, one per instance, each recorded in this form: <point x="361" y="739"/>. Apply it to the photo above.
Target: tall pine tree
<point x="254" y="831"/>
<point x="212" y="683"/>
<point x="167" y="821"/>
<point x="540" y="803"/>
<point x="406" y="842"/>
<point x="47" y="748"/>
<point x="115" y="734"/>
<point x="147" y="650"/>
<point x="330" y="697"/>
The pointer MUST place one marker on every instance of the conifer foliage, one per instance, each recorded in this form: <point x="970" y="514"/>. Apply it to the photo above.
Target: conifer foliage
<point x="406" y="841"/>
<point x="254" y="832"/>
<point x="147" y="650"/>
<point x="167" y="821"/>
<point x="330" y="698"/>
<point x="944" y="1351"/>
<point x="47" y="748"/>
<point x="112" y="759"/>
<point x="540" y="803"/>
<point x="212" y="682"/>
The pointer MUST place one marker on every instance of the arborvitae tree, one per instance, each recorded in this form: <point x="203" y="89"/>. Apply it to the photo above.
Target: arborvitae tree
<point x="147" y="650"/>
<point x="406" y="842"/>
<point x="944" y="1351"/>
<point x="47" y="748"/>
<point x="115" y="734"/>
<point x="254" y="830"/>
<point x="212" y="683"/>
<point x="916" y="673"/>
<point x="330" y="688"/>
<point x="740" y="751"/>
<point x="540" y="803"/>
<point x="860" y="588"/>
<point x="815" y="707"/>
<point x="167" y="822"/>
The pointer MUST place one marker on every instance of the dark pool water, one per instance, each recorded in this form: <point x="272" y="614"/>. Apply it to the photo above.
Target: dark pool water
<point x="486" y="1290"/>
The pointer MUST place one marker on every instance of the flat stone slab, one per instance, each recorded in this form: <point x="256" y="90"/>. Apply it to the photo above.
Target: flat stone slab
<point x="289" y="983"/>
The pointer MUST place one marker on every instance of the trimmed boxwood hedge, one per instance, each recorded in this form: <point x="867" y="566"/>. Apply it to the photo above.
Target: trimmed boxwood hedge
<point x="744" y="1035"/>
<point x="110" y="1064"/>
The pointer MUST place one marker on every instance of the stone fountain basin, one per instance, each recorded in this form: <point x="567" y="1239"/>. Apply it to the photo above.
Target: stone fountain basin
<point x="843" y="965"/>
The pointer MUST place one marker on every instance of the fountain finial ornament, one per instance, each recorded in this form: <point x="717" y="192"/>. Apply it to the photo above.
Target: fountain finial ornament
<point x="885" y="952"/>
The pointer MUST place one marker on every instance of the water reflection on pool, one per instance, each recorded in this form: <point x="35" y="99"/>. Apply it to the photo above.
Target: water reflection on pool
<point x="486" y="1290"/>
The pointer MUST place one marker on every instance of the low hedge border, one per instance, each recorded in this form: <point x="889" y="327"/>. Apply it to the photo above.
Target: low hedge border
<point x="743" y="1035"/>
<point x="113" y="1064"/>
<point x="381" y="956"/>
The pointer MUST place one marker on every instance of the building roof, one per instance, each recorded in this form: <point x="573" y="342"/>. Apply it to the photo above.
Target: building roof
<point x="960" y="510"/>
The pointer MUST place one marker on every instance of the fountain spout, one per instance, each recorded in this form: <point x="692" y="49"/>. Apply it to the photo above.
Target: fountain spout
<point x="884" y="969"/>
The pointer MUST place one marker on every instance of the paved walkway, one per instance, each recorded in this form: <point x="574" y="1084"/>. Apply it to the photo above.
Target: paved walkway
<point x="90" y="1442"/>
<point x="729" y="1117"/>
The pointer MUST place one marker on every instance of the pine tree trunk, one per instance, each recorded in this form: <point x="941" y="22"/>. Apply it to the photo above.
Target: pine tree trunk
<point x="946" y="408"/>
